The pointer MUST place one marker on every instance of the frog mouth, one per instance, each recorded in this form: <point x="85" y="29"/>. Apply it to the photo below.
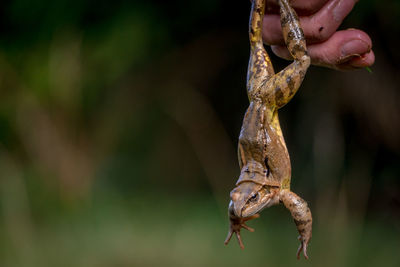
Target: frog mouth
<point x="250" y="211"/>
<point x="239" y="209"/>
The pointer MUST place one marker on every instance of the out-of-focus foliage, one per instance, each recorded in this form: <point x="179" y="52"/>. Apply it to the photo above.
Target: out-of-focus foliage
<point x="118" y="127"/>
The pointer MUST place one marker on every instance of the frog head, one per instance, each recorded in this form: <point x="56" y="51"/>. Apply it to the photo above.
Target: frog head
<point x="252" y="192"/>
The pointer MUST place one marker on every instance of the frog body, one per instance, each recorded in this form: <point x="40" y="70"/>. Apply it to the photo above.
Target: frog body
<point x="264" y="160"/>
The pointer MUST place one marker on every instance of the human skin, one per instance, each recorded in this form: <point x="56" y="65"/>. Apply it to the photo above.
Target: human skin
<point x="320" y="19"/>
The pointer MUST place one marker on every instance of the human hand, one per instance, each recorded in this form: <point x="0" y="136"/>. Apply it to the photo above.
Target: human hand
<point x="344" y="49"/>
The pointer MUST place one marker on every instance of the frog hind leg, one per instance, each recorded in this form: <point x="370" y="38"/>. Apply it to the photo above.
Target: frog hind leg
<point x="260" y="67"/>
<point x="302" y="217"/>
<point x="283" y="85"/>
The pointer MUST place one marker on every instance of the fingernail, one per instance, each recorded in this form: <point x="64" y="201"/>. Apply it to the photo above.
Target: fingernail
<point x="354" y="47"/>
<point x="364" y="60"/>
<point x="338" y="12"/>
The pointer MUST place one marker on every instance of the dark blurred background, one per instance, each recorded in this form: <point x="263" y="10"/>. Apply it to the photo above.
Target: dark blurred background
<point x="118" y="128"/>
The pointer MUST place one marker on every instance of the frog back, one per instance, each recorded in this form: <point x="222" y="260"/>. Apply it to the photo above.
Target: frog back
<point x="252" y="135"/>
<point x="277" y="158"/>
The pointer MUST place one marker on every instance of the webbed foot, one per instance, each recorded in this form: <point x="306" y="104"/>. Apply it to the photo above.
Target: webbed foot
<point x="236" y="223"/>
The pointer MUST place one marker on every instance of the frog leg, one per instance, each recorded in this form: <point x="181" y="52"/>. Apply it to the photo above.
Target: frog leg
<point x="283" y="85"/>
<point x="302" y="218"/>
<point x="260" y="67"/>
<point x="236" y="224"/>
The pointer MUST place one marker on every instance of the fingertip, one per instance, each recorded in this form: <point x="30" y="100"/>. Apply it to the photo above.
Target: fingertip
<point x="363" y="61"/>
<point x="281" y="51"/>
<point x="357" y="62"/>
<point x="359" y="34"/>
<point x="354" y="47"/>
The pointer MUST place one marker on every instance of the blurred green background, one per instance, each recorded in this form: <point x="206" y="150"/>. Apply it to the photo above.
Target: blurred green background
<point x="118" y="128"/>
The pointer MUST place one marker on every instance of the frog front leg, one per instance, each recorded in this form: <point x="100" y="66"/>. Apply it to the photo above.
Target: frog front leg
<point x="282" y="86"/>
<point x="302" y="218"/>
<point x="245" y="206"/>
<point x="236" y="224"/>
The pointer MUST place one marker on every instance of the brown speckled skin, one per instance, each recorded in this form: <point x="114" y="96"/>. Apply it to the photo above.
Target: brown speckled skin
<point x="263" y="157"/>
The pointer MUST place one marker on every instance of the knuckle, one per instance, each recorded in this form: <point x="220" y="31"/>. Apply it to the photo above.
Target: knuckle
<point x="319" y="31"/>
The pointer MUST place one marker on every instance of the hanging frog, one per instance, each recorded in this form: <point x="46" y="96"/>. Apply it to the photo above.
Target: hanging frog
<point x="264" y="161"/>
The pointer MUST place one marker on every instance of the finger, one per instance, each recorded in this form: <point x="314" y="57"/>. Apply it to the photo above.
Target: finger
<point x="239" y="238"/>
<point x="305" y="251"/>
<point x="302" y="7"/>
<point x="247" y="228"/>
<point x="316" y="28"/>
<point x="299" y="251"/>
<point x="255" y="216"/>
<point x="345" y="49"/>
<point x="228" y="238"/>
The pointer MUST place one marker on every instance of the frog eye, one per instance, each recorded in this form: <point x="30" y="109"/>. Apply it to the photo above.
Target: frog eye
<point x="254" y="197"/>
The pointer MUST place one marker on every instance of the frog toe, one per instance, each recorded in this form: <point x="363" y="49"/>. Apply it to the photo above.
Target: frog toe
<point x="302" y="247"/>
<point x="228" y="237"/>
